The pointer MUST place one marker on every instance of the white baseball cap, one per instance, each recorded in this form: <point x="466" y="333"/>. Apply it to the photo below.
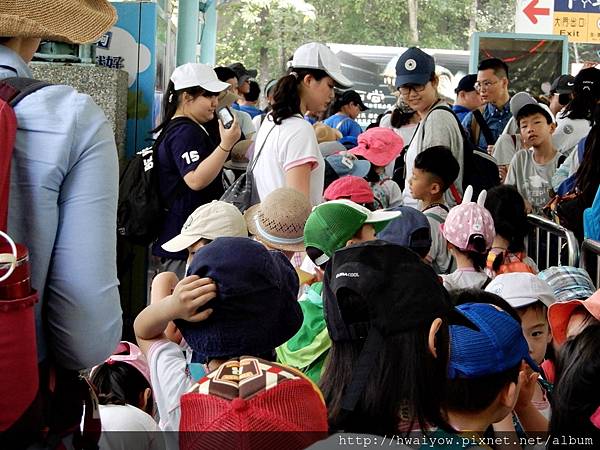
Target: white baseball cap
<point x="520" y="289"/>
<point x="318" y="56"/>
<point x="210" y="221"/>
<point x="194" y="74"/>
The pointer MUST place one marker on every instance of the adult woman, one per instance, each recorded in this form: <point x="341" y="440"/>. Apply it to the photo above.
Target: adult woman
<point x="417" y="82"/>
<point x="345" y="110"/>
<point x="189" y="163"/>
<point x="286" y="146"/>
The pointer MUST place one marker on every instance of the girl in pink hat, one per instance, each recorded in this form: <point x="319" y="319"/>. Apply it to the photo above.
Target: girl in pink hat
<point x="381" y="146"/>
<point x="469" y="230"/>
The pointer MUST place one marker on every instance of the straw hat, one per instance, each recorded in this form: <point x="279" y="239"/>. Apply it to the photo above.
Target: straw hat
<point x="238" y="160"/>
<point x="226" y="98"/>
<point x="75" y="21"/>
<point x="325" y="133"/>
<point x="278" y="221"/>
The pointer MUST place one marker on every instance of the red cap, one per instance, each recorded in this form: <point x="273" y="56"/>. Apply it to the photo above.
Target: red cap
<point x="353" y="188"/>
<point x="253" y="396"/>
<point x="379" y="145"/>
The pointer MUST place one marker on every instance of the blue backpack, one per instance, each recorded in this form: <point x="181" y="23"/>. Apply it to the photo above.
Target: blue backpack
<point x="591" y="219"/>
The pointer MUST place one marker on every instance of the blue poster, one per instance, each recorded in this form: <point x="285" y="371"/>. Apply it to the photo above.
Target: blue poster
<point x="580" y="6"/>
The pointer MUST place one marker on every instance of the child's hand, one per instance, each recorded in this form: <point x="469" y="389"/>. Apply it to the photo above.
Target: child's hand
<point x="190" y="294"/>
<point x="528" y="380"/>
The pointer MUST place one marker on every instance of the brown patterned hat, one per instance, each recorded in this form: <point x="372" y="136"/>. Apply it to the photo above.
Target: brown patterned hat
<point x="76" y="21"/>
<point x="278" y="221"/>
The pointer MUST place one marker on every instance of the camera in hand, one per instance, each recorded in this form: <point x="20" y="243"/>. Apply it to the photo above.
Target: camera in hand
<point x="226" y="117"/>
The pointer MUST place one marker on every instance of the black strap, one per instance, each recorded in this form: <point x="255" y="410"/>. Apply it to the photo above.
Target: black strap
<point x="250" y="168"/>
<point x="485" y="129"/>
<point x="15" y="89"/>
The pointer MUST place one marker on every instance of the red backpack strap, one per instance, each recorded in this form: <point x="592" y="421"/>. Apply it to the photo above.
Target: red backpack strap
<point x="455" y="194"/>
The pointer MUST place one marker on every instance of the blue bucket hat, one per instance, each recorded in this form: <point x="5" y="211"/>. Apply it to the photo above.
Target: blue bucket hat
<point x="256" y="308"/>
<point x="499" y="345"/>
<point x="401" y="230"/>
<point x="349" y="165"/>
<point x="414" y="67"/>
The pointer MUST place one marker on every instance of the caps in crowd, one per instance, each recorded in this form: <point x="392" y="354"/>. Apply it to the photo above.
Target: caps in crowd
<point x="130" y="354"/>
<point x="332" y="224"/>
<point x="255" y="309"/>
<point x="467" y="220"/>
<point x="521" y="289"/>
<point x="466" y="83"/>
<point x="194" y="74"/>
<point x="410" y="230"/>
<point x="318" y="56"/>
<point x="559" y="314"/>
<point x="242" y="73"/>
<point x="499" y="345"/>
<point x="414" y="67"/>
<point x="379" y="145"/>
<point x="353" y="188"/>
<point x="348" y="164"/>
<point x="587" y="82"/>
<point x="568" y="283"/>
<point x="519" y="100"/>
<point x="351" y="96"/>
<point x="279" y="219"/>
<point x="325" y="133"/>
<point x="209" y="221"/>
<point x="253" y="396"/>
<point x="564" y="84"/>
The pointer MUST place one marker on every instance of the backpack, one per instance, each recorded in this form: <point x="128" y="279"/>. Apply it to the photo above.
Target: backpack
<point x="141" y="210"/>
<point x="38" y="402"/>
<point x="510" y="263"/>
<point x="569" y="184"/>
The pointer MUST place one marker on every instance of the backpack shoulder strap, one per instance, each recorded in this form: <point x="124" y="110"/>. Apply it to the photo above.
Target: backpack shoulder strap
<point x="15" y="89"/>
<point x="485" y="129"/>
<point x="341" y="122"/>
<point x="434" y="216"/>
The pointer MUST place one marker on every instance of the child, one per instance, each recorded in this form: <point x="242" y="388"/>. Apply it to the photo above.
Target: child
<point x="123" y="387"/>
<point x="469" y="230"/>
<point x="381" y="146"/>
<point x="531" y="170"/>
<point x="435" y="169"/>
<point x="410" y="230"/>
<point x="576" y="406"/>
<point x="253" y="309"/>
<point x="352" y="188"/>
<point x="485" y="368"/>
<point x="507" y="254"/>
<point x="531" y="297"/>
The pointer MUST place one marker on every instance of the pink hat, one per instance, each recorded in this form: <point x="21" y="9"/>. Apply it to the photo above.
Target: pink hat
<point x="379" y="145"/>
<point x="131" y="354"/>
<point x="469" y="219"/>
<point x="354" y="188"/>
<point x="559" y="314"/>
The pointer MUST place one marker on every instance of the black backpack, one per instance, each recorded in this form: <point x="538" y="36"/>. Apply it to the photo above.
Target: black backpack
<point x="141" y="211"/>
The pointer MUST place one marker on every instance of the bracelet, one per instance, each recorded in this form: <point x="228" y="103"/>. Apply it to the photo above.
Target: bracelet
<point x="226" y="151"/>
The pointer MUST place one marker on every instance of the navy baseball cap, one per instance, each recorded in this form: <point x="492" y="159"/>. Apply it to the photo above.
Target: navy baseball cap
<point x="405" y="230"/>
<point x="499" y="345"/>
<point x="466" y="83"/>
<point x="414" y="67"/>
<point x="256" y="308"/>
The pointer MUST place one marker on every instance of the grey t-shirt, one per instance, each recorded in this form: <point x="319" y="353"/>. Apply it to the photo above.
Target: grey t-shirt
<point x="531" y="178"/>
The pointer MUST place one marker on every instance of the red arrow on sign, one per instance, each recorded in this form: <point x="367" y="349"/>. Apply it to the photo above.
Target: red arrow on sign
<point x="531" y="11"/>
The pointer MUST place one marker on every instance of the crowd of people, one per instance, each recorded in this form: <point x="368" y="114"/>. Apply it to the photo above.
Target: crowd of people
<point x="370" y="294"/>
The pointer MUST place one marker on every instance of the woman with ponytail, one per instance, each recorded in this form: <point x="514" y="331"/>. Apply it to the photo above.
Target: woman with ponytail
<point x="286" y="149"/>
<point x="189" y="161"/>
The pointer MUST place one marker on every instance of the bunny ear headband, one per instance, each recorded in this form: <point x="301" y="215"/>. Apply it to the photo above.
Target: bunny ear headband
<point x="469" y="193"/>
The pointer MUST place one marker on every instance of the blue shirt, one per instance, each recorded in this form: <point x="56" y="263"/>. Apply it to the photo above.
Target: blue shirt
<point x="184" y="147"/>
<point x="349" y="128"/>
<point x="496" y="120"/>
<point x="460" y="111"/>
<point x="63" y="205"/>
<point x="252" y="110"/>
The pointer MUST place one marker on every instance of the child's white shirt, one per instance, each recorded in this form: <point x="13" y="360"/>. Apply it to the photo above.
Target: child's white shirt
<point x="465" y="279"/>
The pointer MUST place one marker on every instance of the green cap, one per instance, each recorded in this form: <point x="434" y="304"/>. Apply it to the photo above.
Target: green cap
<point x="331" y="224"/>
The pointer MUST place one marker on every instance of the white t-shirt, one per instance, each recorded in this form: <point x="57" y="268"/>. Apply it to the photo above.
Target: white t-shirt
<point x="289" y="145"/>
<point x="465" y="279"/>
<point x="147" y="434"/>
<point x="440" y="258"/>
<point x="569" y="132"/>
<point x="438" y="128"/>
<point x="170" y="380"/>
<point x="245" y="122"/>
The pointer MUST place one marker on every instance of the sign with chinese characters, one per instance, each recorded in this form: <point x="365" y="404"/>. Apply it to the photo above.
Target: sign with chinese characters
<point x="376" y="102"/>
<point x="579" y="20"/>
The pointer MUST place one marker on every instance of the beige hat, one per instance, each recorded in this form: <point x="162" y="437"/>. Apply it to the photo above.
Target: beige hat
<point x="278" y="221"/>
<point x="75" y="21"/>
<point x="325" y="133"/>
<point x="238" y="159"/>
<point x="226" y="98"/>
<point x="210" y="221"/>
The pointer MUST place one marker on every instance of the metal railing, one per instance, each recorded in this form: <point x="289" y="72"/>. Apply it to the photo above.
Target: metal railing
<point x="550" y="244"/>
<point x="591" y="264"/>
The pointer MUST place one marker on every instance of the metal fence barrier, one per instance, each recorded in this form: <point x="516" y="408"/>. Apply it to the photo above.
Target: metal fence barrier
<point x="590" y="260"/>
<point x="550" y="244"/>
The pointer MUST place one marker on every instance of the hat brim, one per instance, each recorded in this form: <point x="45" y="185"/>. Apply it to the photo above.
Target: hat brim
<point x="86" y="23"/>
<point x="251" y="216"/>
<point x="179" y="243"/>
<point x="361" y="105"/>
<point x="380" y="219"/>
<point x="413" y="78"/>
<point x="558" y="318"/>
<point x="331" y="148"/>
<point x="234" y="165"/>
<point x="339" y="78"/>
<point x="378" y="158"/>
<point x="215" y="86"/>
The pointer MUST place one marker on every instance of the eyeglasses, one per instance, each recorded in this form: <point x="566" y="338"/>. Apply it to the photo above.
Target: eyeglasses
<point x="405" y="90"/>
<point x="479" y="86"/>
